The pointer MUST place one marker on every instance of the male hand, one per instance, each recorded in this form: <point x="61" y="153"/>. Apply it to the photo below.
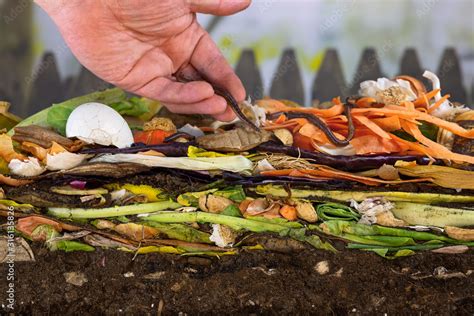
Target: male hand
<point x="140" y="45"/>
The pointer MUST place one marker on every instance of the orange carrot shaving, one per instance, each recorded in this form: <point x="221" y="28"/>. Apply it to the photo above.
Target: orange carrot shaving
<point x="271" y="105"/>
<point x="438" y="103"/>
<point x="413" y="147"/>
<point x="280" y="119"/>
<point x="450" y="126"/>
<point x="365" y="102"/>
<point x="303" y="142"/>
<point x="439" y="150"/>
<point x="409" y="105"/>
<point x="336" y="100"/>
<point x="372" y="126"/>
<point x="388" y="124"/>
<point x="336" y="109"/>
<point x="371" y="144"/>
<point x="423" y="99"/>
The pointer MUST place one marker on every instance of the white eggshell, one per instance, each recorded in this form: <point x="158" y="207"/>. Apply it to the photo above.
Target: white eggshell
<point x="64" y="161"/>
<point x="97" y="123"/>
<point x="27" y="168"/>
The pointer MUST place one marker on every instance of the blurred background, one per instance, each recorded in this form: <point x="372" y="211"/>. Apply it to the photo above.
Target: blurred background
<point x="267" y="27"/>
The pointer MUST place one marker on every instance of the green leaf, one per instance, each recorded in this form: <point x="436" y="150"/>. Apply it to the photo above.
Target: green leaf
<point x="72" y="245"/>
<point x="122" y="219"/>
<point x="384" y="253"/>
<point x="344" y="228"/>
<point x="181" y="232"/>
<point x="58" y="114"/>
<point x="390" y="241"/>
<point x="235" y="194"/>
<point x="57" y="117"/>
<point x="192" y="198"/>
<point x="336" y="211"/>
<point x="313" y="240"/>
<point x="231" y="210"/>
<point x="133" y="106"/>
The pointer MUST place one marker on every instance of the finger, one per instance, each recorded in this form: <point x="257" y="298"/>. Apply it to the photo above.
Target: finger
<point x="227" y="116"/>
<point x="214" y="105"/>
<point x="218" y="7"/>
<point x="189" y="73"/>
<point x="149" y="77"/>
<point x="209" y="61"/>
<point x="169" y="91"/>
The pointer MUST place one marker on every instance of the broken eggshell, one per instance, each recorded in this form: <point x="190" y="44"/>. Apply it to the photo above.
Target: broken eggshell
<point x="97" y="123"/>
<point x="64" y="161"/>
<point x="223" y="236"/>
<point x="27" y="168"/>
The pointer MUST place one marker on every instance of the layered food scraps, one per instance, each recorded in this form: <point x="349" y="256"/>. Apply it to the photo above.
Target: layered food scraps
<point x="388" y="171"/>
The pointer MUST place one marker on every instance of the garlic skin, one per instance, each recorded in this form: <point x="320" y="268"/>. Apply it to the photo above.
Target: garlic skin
<point x="97" y="123"/>
<point x="387" y="91"/>
<point x="377" y="211"/>
<point x="64" y="161"/>
<point x="223" y="236"/>
<point x="27" y="168"/>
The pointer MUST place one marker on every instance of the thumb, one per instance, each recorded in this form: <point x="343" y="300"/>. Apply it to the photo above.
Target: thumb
<point x="218" y="7"/>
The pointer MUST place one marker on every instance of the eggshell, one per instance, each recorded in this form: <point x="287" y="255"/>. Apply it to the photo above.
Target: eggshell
<point x="97" y="123"/>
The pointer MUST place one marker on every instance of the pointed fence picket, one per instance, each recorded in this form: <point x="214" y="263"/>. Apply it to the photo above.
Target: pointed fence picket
<point x="44" y="86"/>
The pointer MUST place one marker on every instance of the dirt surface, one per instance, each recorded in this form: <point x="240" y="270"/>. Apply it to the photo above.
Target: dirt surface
<point x="253" y="282"/>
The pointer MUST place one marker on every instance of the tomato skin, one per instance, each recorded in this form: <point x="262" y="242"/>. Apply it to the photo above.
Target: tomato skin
<point x="155" y="137"/>
<point x="302" y="142"/>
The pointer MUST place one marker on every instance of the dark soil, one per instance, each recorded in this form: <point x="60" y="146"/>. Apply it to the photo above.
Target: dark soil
<point x="253" y="282"/>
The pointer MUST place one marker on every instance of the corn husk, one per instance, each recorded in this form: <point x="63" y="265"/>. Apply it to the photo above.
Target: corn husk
<point x="443" y="176"/>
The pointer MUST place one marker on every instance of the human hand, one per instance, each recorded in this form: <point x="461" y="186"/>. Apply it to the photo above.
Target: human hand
<point x="141" y="45"/>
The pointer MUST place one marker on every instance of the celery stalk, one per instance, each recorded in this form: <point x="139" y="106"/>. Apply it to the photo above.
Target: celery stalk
<point x="80" y="213"/>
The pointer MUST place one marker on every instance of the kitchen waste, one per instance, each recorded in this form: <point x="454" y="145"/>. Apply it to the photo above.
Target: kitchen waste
<point x="388" y="171"/>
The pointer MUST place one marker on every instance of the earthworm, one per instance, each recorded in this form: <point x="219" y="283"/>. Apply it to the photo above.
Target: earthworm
<point x="176" y="136"/>
<point x="234" y="105"/>
<point x="322" y="126"/>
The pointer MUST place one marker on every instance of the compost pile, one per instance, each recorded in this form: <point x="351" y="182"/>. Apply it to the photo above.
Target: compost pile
<point x="388" y="171"/>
